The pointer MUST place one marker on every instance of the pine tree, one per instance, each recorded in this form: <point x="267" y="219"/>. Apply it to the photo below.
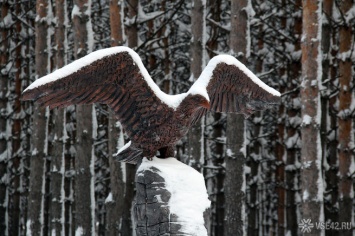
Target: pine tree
<point x="5" y="20"/>
<point x="234" y="185"/>
<point x="293" y="143"/>
<point x="115" y="207"/>
<point x="35" y="221"/>
<point x="195" y="145"/>
<point x="311" y="153"/>
<point x="85" y="132"/>
<point x="215" y="128"/>
<point x="59" y="133"/>
<point x="16" y="129"/>
<point x="132" y="40"/>
<point x="345" y="117"/>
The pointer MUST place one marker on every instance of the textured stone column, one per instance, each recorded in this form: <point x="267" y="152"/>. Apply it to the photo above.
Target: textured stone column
<point x="171" y="199"/>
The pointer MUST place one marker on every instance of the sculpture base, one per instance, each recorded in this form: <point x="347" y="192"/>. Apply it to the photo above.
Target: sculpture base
<point x="171" y="199"/>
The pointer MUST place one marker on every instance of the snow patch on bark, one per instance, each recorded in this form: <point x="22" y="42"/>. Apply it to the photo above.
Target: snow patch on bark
<point x="79" y="231"/>
<point x="28" y="228"/>
<point x="109" y="198"/>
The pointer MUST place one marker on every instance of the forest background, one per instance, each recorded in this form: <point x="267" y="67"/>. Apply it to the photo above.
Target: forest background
<point x="57" y="173"/>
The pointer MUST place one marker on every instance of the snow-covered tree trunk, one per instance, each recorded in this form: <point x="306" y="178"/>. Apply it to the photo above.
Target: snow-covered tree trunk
<point x="311" y="152"/>
<point x="329" y="119"/>
<point x="57" y="167"/>
<point x="195" y="145"/>
<point x="35" y="220"/>
<point x="234" y="185"/>
<point x="254" y="152"/>
<point x="293" y="114"/>
<point x="4" y="122"/>
<point x="114" y="206"/>
<point x="280" y="149"/>
<point x="331" y="174"/>
<point x="345" y="115"/>
<point x="84" y="196"/>
<point x="171" y="199"/>
<point x="16" y="131"/>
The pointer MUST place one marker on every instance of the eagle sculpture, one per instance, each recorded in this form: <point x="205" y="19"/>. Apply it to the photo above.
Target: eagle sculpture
<point x="153" y="120"/>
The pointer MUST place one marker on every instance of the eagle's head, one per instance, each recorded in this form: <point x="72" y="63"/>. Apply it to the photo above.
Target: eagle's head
<point x="201" y="101"/>
<point x="193" y="102"/>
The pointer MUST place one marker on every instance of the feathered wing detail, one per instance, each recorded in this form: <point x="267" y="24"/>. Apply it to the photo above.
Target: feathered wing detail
<point x="116" y="79"/>
<point x="231" y="87"/>
<point x="129" y="154"/>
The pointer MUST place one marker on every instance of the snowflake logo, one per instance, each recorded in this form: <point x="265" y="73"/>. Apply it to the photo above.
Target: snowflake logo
<point x="306" y="225"/>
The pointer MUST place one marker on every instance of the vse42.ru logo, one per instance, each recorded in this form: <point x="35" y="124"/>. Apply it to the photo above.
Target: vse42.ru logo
<point x="306" y="225"/>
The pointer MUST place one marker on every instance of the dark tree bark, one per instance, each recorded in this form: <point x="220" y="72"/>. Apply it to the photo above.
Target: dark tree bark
<point x="234" y="185"/>
<point x="292" y="126"/>
<point x="329" y="121"/>
<point x="280" y="150"/>
<point x="59" y="133"/>
<point x="35" y="219"/>
<point x="16" y="133"/>
<point x="255" y="153"/>
<point x="345" y="120"/>
<point x="131" y="27"/>
<point x="116" y="23"/>
<point x="84" y="160"/>
<point x="132" y="40"/>
<point x="4" y="57"/>
<point x="216" y="143"/>
<point x="195" y="145"/>
<point x="311" y="152"/>
<point x="166" y="86"/>
<point x="114" y="208"/>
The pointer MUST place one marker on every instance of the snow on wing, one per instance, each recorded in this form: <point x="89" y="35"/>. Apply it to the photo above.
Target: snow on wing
<point x="231" y="87"/>
<point x="115" y="80"/>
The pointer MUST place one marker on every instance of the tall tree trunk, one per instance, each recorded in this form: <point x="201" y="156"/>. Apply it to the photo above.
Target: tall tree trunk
<point x="195" y="145"/>
<point x="132" y="40"/>
<point x="16" y="132"/>
<point x="215" y="144"/>
<point x="59" y="133"/>
<point x="255" y="152"/>
<point x="234" y="185"/>
<point x="292" y="129"/>
<point x="84" y="196"/>
<point x="35" y="219"/>
<point x="345" y="120"/>
<point x="115" y="207"/>
<point x="332" y="209"/>
<point x="116" y="24"/>
<point x="329" y="121"/>
<point x="311" y="152"/>
<point x="30" y="64"/>
<point x="4" y="122"/>
<point x="166" y="86"/>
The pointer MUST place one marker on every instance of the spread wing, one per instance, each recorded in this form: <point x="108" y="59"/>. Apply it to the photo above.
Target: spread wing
<point x="113" y="76"/>
<point x="232" y="87"/>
